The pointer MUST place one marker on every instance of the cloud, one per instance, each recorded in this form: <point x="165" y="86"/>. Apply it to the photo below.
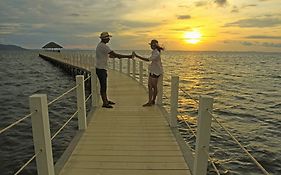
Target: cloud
<point x="255" y="22"/>
<point x="266" y="44"/>
<point x="263" y="37"/>
<point x="220" y="2"/>
<point x="181" y="29"/>
<point x="201" y="3"/>
<point x="254" y="44"/>
<point x="74" y="14"/>
<point x="248" y="43"/>
<point x="183" y="6"/>
<point x="234" y="9"/>
<point x="8" y="28"/>
<point x="249" y="5"/>
<point x="183" y="17"/>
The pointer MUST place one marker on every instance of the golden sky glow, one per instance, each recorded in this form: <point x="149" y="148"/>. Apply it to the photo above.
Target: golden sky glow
<point x="192" y="37"/>
<point x="220" y="25"/>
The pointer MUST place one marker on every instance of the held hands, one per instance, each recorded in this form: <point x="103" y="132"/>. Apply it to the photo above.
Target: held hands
<point x="134" y="54"/>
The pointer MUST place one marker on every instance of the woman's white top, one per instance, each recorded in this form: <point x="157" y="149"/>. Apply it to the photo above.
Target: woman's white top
<point x="156" y="65"/>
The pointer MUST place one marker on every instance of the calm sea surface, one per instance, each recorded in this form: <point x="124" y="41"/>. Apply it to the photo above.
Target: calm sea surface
<point x="246" y="88"/>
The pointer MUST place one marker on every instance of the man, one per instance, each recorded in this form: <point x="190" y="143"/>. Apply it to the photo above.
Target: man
<point x="103" y="52"/>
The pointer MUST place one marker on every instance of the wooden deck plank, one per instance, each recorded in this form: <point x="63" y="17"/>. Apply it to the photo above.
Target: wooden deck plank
<point x="129" y="147"/>
<point x="127" y="165"/>
<point x="85" y="171"/>
<point x="128" y="139"/>
<point x="123" y="158"/>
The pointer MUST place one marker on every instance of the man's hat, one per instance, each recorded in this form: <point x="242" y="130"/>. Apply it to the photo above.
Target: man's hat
<point x="104" y="35"/>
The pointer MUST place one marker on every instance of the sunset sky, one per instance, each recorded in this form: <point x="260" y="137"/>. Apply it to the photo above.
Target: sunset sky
<point x="215" y="25"/>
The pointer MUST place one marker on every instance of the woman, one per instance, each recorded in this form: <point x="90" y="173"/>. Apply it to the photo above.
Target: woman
<point x="155" y="70"/>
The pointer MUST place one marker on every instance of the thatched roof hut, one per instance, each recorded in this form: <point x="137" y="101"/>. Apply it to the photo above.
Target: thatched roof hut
<point x="52" y="46"/>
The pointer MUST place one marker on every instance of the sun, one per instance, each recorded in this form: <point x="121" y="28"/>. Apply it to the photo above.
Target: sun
<point x="192" y="37"/>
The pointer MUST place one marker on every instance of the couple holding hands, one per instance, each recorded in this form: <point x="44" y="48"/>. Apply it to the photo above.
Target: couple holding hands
<point x="103" y="52"/>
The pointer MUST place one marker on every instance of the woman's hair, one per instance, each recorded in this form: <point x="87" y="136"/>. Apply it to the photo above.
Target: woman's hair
<point x="159" y="48"/>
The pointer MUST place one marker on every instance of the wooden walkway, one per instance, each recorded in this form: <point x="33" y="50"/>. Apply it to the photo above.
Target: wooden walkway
<point x="128" y="139"/>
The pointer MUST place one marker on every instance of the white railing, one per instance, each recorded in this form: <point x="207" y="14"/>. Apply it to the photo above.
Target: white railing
<point x="209" y="116"/>
<point x="40" y="125"/>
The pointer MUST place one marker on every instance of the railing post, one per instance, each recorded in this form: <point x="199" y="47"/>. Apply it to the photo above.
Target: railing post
<point x="141" y="72"/>
<point x="160" y="90"/>
<point x="134" y="68"/>
<point x="79" y="59"/>
<point x="88" y="62"/>
<point x="203" y="135"/>
<point x="41" y="134"/>
<point x="82" y="122"/>
<point x="128" y="67"/>
<point x="72" y="59"/>
<point x="174" y="100"/>
<point x="94" y="88"/>
<point x="113" y="64"/>
<point x="120" y="65"/>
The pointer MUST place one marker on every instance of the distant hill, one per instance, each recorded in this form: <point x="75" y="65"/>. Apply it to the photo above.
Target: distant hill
<point x="10" y="47"/>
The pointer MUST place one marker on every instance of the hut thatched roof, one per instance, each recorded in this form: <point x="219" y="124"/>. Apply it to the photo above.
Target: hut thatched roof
<point x="51" y="45"/>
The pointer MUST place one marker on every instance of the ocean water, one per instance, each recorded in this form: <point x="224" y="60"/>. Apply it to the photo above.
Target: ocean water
<point x="247" y="99"/>
<point x="245" y="87"/>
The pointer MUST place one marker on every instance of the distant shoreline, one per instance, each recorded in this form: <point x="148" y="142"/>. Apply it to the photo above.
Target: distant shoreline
<point x="4" y="47"/>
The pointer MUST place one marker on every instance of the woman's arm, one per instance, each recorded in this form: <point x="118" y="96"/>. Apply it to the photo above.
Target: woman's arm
<point x="140" y="57"/>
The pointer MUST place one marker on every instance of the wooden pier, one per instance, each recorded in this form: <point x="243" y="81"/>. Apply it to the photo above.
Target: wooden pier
<point x="128" y="139"/>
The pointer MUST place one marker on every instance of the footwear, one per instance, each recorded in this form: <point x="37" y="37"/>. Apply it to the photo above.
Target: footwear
<point x="147" y="104"/>
<point x="153" y="103"/>
<point x="111" y="103"/>
<point x="107" y="106"/>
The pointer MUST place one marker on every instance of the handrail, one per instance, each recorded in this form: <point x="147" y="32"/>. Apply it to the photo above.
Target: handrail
<point x="188" y="125"/>
<point x="50" y="103"/>
<point x="196" y="101"/>
<point x="87" y="78"/>
<point x="63" y="125"/>
<point x="211" y="160"/>
<point x="193" y="133"/>
<point x="239" y="144"/>
<point x="59" y="97"/>
<point x="25" y="117"/>
<point x="88" y="98"/>
<point x="15" y="123"/>
<point x="33" y="157"/>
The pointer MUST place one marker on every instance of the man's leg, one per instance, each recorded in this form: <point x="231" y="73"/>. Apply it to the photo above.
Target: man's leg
<point x="102" y="75"/>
